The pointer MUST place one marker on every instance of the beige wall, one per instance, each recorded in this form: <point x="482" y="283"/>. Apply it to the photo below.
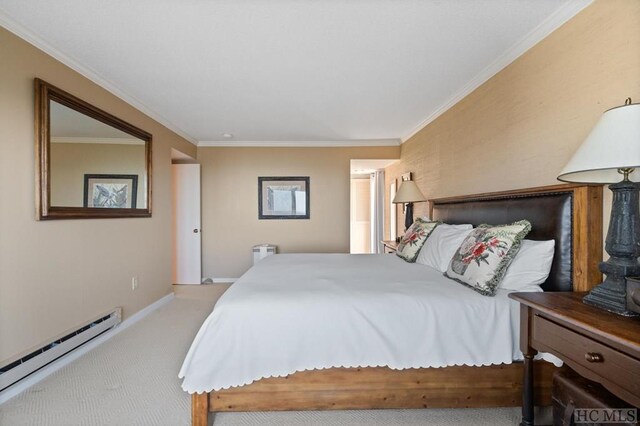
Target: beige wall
<point x="71" y="161"/>
<point x="230" y="222"/>
<point x="521" y="127"/>
<point x="54" y="275"/>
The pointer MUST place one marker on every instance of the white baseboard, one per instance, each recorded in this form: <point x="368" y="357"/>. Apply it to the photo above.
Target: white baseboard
<point x="224" y="280"/>
<point x="67" y="359"/>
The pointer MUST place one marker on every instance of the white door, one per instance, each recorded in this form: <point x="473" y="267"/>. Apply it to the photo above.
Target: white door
<point x="187" y="257"/>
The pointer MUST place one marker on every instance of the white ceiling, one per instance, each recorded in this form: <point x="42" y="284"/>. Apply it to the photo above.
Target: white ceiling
<point x="287" y="70"/>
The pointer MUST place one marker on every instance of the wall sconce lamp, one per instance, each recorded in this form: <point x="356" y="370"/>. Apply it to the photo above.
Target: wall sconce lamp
<point x="408" y="193"/>
<point x="612" y="150"/>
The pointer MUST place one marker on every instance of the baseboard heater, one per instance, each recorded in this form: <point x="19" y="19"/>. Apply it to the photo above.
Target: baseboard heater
<point x="16" y="370"/>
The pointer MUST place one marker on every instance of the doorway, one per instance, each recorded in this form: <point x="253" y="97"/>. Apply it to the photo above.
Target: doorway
<point x="187" y="232"/>
<point x="367" y="209"/>
<point x="360" y="222"/>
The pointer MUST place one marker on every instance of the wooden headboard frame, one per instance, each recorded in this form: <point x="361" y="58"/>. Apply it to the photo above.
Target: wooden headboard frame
<point x="551" y="209"/>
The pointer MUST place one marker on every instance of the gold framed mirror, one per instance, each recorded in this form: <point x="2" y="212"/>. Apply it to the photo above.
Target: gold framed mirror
<point x="89" y="163"/>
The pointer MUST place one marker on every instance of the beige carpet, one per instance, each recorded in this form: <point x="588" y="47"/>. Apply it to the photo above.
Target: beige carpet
<point x="132" y="380"/>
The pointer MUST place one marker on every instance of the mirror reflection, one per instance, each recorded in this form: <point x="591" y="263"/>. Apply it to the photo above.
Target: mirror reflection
<point x="93" y="164"/>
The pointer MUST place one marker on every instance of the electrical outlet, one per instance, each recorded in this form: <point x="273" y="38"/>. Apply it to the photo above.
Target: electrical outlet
<point x="134" y="283"/>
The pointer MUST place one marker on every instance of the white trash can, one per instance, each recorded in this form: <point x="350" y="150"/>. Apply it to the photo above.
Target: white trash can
<point x="263" y="250"/>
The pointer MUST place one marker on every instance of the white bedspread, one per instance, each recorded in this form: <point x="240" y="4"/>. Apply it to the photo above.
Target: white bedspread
<point x="295" y="312"/>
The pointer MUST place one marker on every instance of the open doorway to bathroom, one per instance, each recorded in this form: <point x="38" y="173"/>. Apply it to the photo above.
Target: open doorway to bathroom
<point x="367" y="210"/>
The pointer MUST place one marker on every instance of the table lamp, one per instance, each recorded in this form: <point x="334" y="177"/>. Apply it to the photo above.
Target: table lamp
<point x="408" y="193"/>
<point x="610" y="154"/>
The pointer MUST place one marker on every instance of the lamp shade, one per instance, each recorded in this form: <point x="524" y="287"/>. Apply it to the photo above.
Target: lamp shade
<point x="614" y="143"/>
<point x="408" y="193"/>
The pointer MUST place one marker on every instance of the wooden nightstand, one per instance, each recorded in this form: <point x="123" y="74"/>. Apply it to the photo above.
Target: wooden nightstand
<point x="389" y="246"/>
<point x="598" y="345"/>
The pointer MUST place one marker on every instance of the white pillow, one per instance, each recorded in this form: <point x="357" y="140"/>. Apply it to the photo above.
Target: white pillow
<point x="442" y="245"/>
<point x="530" y="266"/>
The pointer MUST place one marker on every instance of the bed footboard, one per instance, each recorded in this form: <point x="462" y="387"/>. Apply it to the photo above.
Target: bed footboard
<point x="379" y="388"/>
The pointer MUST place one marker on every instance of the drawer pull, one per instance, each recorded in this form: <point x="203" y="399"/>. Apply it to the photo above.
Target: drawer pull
<point x="593" y="357"/>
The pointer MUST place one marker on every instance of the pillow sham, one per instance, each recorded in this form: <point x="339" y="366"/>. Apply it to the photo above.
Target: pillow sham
<point x="414" y="238"/>
<point x="442" y="245"/>
<point x="485" y="254"/>
<point x="531" y="265"/>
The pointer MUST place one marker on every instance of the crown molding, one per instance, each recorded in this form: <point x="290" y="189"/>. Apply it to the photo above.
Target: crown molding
<point x="13" y="26"/>
<point x="301" y="144"/>
<point x="552" y="23"/>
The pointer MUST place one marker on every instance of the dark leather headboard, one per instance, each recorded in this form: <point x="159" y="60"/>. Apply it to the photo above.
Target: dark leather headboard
<point x="551" y="214"/>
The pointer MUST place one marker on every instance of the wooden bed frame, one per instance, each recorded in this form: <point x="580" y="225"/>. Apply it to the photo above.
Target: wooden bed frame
<point x="450" y="387"/>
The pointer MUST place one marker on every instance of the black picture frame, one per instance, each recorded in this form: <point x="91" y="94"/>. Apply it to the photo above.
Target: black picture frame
<point x="131" y="181"/>
<point x="267" y="197"/>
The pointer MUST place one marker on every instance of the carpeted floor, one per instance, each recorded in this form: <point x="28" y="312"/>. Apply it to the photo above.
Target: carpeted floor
<point x="132" y="380"/>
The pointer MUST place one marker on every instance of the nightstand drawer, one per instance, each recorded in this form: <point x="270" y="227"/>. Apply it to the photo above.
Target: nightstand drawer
<point x="603" y="364"/>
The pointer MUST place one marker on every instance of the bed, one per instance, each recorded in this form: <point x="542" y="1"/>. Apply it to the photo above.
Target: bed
<point x="569" y="214"/>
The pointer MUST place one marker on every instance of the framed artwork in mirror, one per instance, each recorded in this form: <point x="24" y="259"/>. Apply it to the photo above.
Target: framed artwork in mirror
<point x="89" y="163"/>
<point x="110" y="191"/>
<point x="283" y="197"/>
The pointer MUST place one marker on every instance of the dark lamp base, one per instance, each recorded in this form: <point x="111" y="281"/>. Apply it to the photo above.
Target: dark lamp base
<point x="408" y="216"/>
<point x="623" y="246"/>
<point x="609" y="299"/>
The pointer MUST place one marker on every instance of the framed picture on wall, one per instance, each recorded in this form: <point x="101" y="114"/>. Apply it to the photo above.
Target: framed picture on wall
<point x="283" y="197"/>
<point x="110" y="191"/>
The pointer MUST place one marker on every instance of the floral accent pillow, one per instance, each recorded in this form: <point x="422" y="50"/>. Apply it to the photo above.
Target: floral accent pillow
<point x="484" y="256"/>
<point x="414" y="238"/>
